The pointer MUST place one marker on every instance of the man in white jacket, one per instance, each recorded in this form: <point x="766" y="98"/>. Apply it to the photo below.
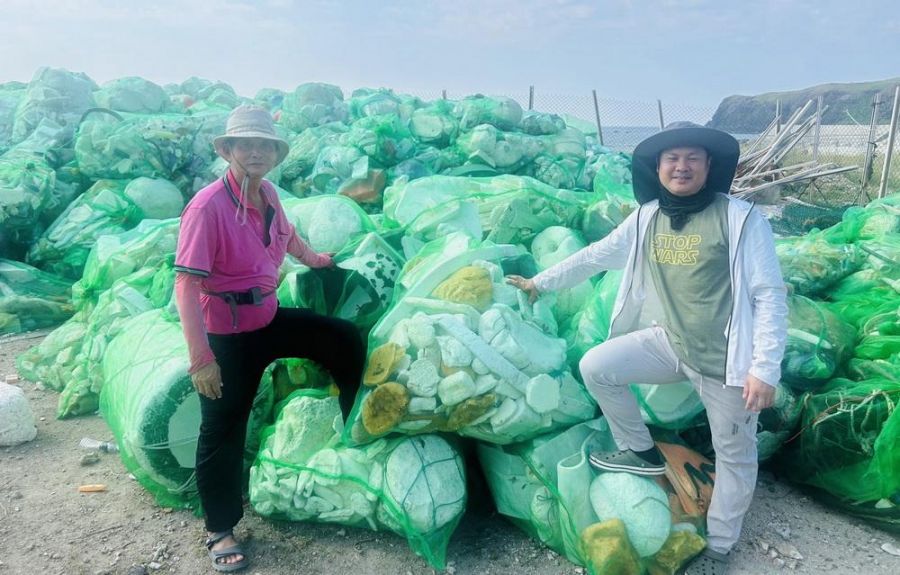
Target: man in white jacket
<point x="702" y="299"/>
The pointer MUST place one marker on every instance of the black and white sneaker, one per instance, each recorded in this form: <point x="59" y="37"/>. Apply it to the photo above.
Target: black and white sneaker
<point x="626" y="461"/>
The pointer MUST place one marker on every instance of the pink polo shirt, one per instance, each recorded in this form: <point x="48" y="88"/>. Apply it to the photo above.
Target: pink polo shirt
<point x="229" y="256"/>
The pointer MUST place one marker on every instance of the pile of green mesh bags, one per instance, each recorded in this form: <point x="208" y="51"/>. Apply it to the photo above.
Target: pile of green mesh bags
<point x="413" y="486"/>
<point x="844" y="350"/>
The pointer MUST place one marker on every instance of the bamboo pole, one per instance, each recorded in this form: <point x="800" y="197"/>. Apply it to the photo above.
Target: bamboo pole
<point x="886" y="172"/>
<point x="787" y="130"/>
<point x="777" y="116"/>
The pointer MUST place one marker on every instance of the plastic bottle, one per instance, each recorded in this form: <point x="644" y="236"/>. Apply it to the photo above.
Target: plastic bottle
<point x="96" y="445"/>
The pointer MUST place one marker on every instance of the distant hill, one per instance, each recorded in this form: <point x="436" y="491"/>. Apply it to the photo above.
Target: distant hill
<point x="845" y="103"/>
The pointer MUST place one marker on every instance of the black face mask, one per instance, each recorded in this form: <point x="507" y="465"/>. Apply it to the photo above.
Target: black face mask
<point x="680" y="208"/>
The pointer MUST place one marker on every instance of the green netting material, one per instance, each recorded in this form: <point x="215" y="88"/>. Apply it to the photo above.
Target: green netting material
<point x="31" y="299"/>
<point x="108" y="207"/>
<point x="142" y="291"/>
<point x="113" y="257"/>
<point x="818" y="344"/>
<point x="547" y="487"/>
<point x="462" y="351"/>
<point x="151" y="407"/>
<point x="414" y="487"/>
<point x="848" y="445"/>
<point x="812" y="264"/>
<point x="507" y="209"/>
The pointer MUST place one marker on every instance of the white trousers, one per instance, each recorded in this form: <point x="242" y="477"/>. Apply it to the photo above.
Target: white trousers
<point x="646" y="356"/>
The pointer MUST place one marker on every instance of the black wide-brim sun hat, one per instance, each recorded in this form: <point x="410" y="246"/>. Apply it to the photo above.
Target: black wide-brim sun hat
<point x="722" y="148"/>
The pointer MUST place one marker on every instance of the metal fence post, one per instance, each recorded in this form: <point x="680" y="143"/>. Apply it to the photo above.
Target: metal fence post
<point x="886" y="172"/>
<point x="443" y="94"/>
<point x="817" y="133"/>
<point x="597" y="117"/>
<point x="870" y="146"/>
<point x="531" y="97"/>
<point x="662" y="124"/>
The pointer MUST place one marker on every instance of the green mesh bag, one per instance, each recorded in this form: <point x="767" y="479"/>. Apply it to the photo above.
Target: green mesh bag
<point x="108" y="207"/>
<point x="54" y="95"/>
<point x="847" y="447"/>
<point x="327" y="223"/>
<point x="110" y="145"/>
<point x="11" y="94"/>
<point x="435" y="124"/>
<point x="502" y="113"/>
<point x="132" y="94"/>
<point x="113" y="257"/>
<point x="605" y="215"/>
<point x="142" y="291"/>
<point x="504" y="151"/>
<point x="551" y="246"/>
<point x="312" y="104"/>
<point x="49" y="361"/>
<point x="510" y="209"/>
<point x="811" y="264"/>
<point x="26" y="190"/>
<point x="612" y="176"/>
<point x="305" y="149"/>
<point x="384" y="139"/>
<point x="31" y="299"/>
<point x="359" y="289"/>
<point x="889" y="368"/>
<point x="462" y="351"/>
<point x="542" y="124"/>
<point x="778" y="423"/>
<point x="873" y="221"/>
<point x="546" y="487"/>
<point x="818" y="344"/>
<point x="151" y="407"/>
<point x="413" y="486"/>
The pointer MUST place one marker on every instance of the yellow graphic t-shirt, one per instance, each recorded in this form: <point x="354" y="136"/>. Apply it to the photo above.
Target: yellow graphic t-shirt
<point x="690" y="270"/>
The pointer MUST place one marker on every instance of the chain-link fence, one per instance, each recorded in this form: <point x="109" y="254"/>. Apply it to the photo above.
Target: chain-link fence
<point x="623" y="124"/>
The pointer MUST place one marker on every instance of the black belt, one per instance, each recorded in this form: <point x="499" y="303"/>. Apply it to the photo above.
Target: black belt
<point x="253" y="296"/>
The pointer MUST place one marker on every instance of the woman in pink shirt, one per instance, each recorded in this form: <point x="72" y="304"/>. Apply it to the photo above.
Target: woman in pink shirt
<point x="232" y="241"/>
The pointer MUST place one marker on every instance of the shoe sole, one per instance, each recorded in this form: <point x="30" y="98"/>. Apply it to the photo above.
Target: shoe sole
<point x="645" y="471"/>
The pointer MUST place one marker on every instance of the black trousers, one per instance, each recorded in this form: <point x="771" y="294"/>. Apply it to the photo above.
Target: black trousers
<point x="334" y="344"/>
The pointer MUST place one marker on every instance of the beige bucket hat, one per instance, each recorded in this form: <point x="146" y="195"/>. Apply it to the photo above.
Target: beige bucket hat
<point x="251" y="122"/>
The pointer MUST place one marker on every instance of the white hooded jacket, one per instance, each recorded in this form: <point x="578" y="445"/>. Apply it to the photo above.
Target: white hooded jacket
<point x="757" y="327"/>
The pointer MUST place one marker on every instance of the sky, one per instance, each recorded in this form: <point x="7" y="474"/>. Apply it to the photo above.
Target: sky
<point x="683" y="52"/>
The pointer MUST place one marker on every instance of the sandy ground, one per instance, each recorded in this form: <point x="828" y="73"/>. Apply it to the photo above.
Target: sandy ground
<point x="47" y="527"/>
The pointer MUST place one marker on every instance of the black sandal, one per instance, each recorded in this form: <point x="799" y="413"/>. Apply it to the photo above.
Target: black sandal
<point x="216" y="555"/>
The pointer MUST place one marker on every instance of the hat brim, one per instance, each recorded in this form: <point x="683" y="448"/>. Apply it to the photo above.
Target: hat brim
<point x="722" y="148"/>
<point x="282" y="147"/>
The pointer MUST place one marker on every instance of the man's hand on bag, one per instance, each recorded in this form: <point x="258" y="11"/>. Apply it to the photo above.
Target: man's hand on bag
<point x="526" y="285"/>
<point x="208" y="381"/>
<point x="758" y="394"/>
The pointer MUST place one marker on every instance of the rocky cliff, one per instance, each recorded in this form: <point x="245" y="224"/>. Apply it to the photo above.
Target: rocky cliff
<point x="845" y="104"/>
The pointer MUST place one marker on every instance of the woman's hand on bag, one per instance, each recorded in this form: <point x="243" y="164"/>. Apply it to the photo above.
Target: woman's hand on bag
<point x="208" y="381"/>
<point x="325" y="260"/>
<point x="526" y="285"/>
